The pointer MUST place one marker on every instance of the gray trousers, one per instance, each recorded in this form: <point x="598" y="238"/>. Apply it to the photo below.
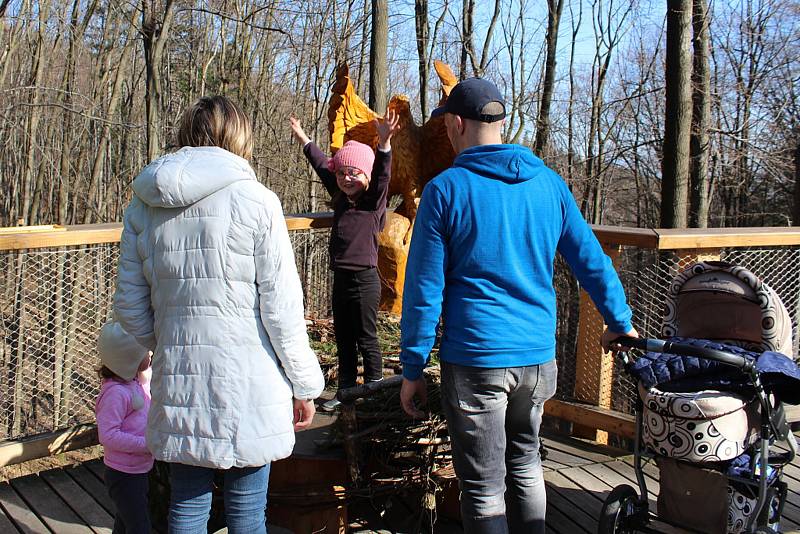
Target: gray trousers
<point x="493" y="417"/>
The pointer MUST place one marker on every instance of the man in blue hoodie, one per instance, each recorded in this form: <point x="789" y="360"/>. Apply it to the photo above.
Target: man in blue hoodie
<point x="481" y="258"/>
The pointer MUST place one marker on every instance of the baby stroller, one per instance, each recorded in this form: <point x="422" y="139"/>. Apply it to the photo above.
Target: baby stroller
<point x="710" y="408"/>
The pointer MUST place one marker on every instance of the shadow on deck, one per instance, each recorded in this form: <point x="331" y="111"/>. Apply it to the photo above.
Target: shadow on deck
<point x="579" y="475"/>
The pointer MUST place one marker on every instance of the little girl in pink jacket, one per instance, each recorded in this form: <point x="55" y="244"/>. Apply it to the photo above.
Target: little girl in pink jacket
<point x="121" y="410"/>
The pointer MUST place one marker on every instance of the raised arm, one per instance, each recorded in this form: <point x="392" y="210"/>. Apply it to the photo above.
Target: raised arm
<point x="315" y="156"/>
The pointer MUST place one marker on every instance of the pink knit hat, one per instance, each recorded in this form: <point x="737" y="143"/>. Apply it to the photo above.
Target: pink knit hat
<point x="353" y="154"/>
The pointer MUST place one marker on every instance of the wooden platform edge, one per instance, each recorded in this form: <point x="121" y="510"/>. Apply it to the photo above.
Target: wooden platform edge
<point x="611" y="421"/>
<point x="43" y="445"/>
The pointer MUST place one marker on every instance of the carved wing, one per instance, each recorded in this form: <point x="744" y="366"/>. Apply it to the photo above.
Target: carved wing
<point x="349" y="118"/>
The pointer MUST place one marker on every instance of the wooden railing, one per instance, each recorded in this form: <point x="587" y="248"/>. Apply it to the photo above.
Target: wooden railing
<point x="589" y="408"/>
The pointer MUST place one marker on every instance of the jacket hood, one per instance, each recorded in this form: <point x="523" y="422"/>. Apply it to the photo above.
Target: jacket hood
<point x="509" y="163"/>
<point x="192" y="173"/>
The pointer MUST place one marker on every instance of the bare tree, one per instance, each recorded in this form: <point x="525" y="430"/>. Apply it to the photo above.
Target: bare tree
<point x="378" y="68"/>
<point x="699" y="178"/>
<point x="677" y="126"/>
<point x="156" y="24"/>
<point x="554" y="9"/>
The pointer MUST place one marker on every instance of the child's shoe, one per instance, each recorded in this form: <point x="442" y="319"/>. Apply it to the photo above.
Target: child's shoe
<point x="330" y="405"/>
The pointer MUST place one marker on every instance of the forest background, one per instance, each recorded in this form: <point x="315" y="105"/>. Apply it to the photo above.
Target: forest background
<point x="91" y="90"/>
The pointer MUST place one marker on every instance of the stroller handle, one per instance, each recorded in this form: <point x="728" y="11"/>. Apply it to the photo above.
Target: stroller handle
<point x="683" y="349"/>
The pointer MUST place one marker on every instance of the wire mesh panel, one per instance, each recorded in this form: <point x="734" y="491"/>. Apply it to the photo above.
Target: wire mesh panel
<point x="311" y="256"/>
<point x="647" y="274"/>
<point x="52" y="306"/>
<point x="53" y="303"/>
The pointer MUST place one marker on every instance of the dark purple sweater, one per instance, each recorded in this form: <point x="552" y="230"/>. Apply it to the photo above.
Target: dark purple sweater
<point x="356" y="224"/>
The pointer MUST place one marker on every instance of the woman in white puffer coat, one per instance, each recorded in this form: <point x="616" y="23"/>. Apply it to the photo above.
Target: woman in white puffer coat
<point x="208" y="282"/>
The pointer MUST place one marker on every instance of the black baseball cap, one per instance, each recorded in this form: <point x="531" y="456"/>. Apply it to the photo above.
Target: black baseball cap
<point x="469" y="98"/>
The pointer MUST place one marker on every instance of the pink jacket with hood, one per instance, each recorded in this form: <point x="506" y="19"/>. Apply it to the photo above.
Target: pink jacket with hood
<point x="121" y="410"/>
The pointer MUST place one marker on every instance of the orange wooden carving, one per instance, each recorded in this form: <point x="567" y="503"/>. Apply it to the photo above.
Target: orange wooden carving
<point x="418" y="154"/>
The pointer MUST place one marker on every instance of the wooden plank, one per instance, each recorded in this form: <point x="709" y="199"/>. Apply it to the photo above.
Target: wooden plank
<point x="80" y="234"/>
<point x="93" y="486"/>
<point x="305" y="221"/>
<point x="583" y="500"/>
<point x="611" y="421"/>
<point x="6" y="525"/>
<point x="697" y="238"/>
<point x="629" y="474"/>
<point x="44" y="445"/>
<point x="19" y="512"/>
<point x="564" y="458"/>
<point x="32" y="229"/>
<point x="619" y="235"/>
<point x="97" y="467"/>
<point x="582" y="449"/>
<point x="79" y="500"/>
<point x="13" y="238"/>
<point x="48" y="506"/>
<point x="559" y="522"/>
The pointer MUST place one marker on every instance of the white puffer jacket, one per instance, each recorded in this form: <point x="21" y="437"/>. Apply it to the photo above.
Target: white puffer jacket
<point x="207" y="280"/>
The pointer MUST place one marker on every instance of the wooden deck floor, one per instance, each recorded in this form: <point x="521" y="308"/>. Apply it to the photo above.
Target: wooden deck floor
<point x="73" y="500"/>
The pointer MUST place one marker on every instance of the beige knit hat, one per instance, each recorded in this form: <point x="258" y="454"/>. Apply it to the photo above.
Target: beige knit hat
<point x="119" y="350"/>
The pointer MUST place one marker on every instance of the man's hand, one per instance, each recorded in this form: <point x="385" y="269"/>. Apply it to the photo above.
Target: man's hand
<point x="609" y="336"/>
<point x="387" y="127"/>
<point x="297" y="131"/>
<point x="304" y="411"/>
<point x="408" y="390"/>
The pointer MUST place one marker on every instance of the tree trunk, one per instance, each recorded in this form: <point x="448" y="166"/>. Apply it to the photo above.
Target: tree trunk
<point x="554" y="8"/>
<point x="154" y="36"/>
<point x="422" y="29"/>
<point x="678" y="111"/>
<point x="35" y="117"/>
<point x="467" y="19"/>
<point x="378" y="60"/>
<point x="701" y="113"/>
<point x="105" y="137"/>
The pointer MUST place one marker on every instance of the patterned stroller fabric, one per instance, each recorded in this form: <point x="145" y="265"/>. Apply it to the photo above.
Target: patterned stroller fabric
<point x="729" y="304"/>
<point x="702" y="427"/>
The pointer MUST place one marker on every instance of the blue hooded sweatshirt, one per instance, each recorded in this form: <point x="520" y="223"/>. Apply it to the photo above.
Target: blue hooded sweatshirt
<point x="485" y="238"/>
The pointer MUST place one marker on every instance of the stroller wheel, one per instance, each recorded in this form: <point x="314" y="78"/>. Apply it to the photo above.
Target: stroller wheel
<point x="620" y="512"/>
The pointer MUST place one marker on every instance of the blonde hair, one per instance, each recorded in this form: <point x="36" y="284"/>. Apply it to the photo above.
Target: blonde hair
<point x="217" y="121"/>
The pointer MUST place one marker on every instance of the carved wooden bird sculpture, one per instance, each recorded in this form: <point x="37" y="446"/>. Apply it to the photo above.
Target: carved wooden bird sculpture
<point x="418" y="152"/>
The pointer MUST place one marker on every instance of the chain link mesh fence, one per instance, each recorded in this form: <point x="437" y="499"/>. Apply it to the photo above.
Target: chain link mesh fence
<point x="646" y="275"/>
<point x="52" y="306"/>
<point x="53" y="302"/>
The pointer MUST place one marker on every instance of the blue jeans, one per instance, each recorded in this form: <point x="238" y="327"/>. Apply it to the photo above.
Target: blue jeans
<point x="493" y="416"/>
<point x="245" y="499"/>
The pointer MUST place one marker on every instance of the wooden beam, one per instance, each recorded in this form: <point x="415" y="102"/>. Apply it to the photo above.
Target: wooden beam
<point x="32" y="229"/>
<point x="610" y="421"/>
<point x="44" y="445"/>
<point x="79" y="234"/>
<point x="617" y="235"/>
<point x="711" y="238"/>
<point x="306" y="221"/>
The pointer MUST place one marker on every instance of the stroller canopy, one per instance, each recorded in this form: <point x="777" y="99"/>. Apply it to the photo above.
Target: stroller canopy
<point x="717" y="300"/>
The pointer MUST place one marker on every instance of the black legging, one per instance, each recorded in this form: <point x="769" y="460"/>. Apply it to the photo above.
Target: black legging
<point x="129" y="494"/>
<point x="356" y="295"/>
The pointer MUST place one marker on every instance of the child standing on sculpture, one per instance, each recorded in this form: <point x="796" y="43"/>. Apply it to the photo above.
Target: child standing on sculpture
<point x="358" y="181"/>
<point x="121" y="412"/>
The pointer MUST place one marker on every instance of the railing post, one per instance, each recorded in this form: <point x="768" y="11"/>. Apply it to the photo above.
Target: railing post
<point x="594" y="368"/>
